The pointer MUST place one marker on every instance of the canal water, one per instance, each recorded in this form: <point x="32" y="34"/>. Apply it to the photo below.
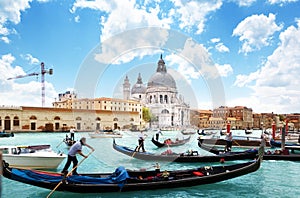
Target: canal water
<point x="273" y="179"/>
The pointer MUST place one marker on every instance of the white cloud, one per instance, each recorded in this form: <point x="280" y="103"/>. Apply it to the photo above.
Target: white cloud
<point x="256" y="31"/>
<point x="194" y="13"/>
<point x="215" y="40"/>
<point x="193" y="61"/>
<point x="77" y="19"/>
<point x="28" y="94"/>
<point x="122" y="16"/>
<point x="130" y="44"/>
<point x="278" y="79"/>
<point x="32" y="60"/>
<point x="10" y="11"/>
<point x="222" y="48"/>
<point x="244" y="2"/>
<point x="224" y="70"/>
<point x="5" y="39"/>
<point x="281" y="2"/>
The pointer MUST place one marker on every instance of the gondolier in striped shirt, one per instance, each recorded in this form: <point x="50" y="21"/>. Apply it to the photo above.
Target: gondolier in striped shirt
<point x="75" y="148"/>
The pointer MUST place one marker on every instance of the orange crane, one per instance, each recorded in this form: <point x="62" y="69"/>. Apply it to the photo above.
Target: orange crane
<point x="43" y="72"/>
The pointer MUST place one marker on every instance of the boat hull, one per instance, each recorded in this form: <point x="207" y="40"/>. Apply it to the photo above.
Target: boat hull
<point x="36" y="162"/>
<point x="237" y="142"/>
<point x="193" y="157"/>
<point x="149" y="181"/>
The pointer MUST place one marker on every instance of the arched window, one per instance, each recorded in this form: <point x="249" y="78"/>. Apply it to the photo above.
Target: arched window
<point x="16" y="121"/>
<point x="166" y="99"/>
<point x="78" y="118"/>
<point x="56" y="118"/>
<point x="131" y="119"/>
<point x="98" y="119"/>
<point x="115" y="119"/>
<point x="33" y="117"/>
<point x="165" y="111"/>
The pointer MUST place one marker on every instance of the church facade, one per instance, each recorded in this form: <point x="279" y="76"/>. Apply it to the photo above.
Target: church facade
<point x="160" y="95"/>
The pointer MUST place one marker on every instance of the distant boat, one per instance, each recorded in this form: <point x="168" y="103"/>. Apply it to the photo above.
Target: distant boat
<point x="191" y="156"/>
<point x="4" y="134"/>
<point x="106" y="134"/>
<point x="247" y="142"/>
<point x="68" y="141"/>
<point x="37" y="156"/>
<point x="248" y="131"/>
<point x="188" y="131"/>
<point x="170" y="143"/>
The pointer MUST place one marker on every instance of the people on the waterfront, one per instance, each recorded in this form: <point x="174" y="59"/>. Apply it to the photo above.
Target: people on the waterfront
<point x="141" y="139"/>
<point x="75" y="148"/>
<point x="157" y="135"/>
<point x="228" y="142"/>
<point x="72" y="133"/>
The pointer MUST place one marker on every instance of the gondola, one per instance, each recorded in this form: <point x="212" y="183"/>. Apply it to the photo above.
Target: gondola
<point x="278" y="144"/>
<point x="127" y="180"/>
<point x="247" y="143"/>
<point x="188" y="131"/>
<point x="269" y="155"/>
<point x="4" y="134"/>
<point x="69" y="141"/>
<point x="192" y="156"/>
<point x="171" y="144"/>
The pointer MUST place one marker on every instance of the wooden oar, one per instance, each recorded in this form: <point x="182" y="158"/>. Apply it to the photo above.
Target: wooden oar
<point x="69" y="173"/>
<point x="138" y="147"/>
<point x="60" y="143"/>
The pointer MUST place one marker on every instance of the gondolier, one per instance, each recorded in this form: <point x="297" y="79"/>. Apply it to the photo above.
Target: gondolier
<point x="228" y="142"/>
<point x="72" y="133"/>
<point x="76" y="148"/>
<point x="157" y="135"/>
<point x="141" y="138"/>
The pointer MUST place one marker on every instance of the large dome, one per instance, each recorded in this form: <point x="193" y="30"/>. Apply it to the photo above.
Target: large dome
<point x="161" y="78"/>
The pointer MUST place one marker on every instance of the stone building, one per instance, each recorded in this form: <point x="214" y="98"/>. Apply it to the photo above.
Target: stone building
<point x="161" y="97"/>
<point x="83" y="114"/>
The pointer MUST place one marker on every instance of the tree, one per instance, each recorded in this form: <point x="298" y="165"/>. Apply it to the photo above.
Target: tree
<point x="146" y="114"/>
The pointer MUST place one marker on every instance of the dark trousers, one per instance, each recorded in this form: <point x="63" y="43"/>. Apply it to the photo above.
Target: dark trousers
<point x="156" y="136"/>
<point x="72" y="136"/>
<point x="228" y="145"/>
<point x="141" y="145"/>
<point x="75" y="162"/>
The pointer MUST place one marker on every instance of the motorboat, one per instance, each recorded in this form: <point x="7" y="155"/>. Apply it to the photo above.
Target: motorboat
<point x="36" y="156"/>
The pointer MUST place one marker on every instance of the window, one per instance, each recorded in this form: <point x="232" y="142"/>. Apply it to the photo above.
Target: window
<point x="16" y="121"/>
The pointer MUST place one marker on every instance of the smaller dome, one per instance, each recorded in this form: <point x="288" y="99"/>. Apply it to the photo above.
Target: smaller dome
<point x="139" y="87"/>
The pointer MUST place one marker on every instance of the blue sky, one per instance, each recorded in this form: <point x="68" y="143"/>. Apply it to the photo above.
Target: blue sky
<point x="220" y="52"/>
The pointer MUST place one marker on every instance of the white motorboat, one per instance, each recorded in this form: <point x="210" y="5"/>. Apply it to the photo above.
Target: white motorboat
<point x="37" y="157"/>
<point x="105" y="134"/>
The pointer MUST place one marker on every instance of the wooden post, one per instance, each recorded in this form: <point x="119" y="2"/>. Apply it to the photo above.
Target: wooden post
<point x="228" y="127"/>
<point x="283" y="138"/>
<point x="273" y="130"/>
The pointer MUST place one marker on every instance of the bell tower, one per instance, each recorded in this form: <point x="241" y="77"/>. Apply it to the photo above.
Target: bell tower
<point x="126" y="89"/>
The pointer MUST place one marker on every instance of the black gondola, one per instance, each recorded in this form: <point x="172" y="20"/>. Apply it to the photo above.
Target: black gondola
<point x="278" y="144"/>
<point x="126" y="180"/>
<point x="247" y="142"/>
<point x="184" y="157"/>
<point x="269" y="155"/>
<point x="171" y="144"/>
<point x="4" y="134"/>
<point x="69" y="141"/>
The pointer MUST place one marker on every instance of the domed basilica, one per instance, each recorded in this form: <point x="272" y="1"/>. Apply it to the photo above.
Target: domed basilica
<point x="160" y="96"/>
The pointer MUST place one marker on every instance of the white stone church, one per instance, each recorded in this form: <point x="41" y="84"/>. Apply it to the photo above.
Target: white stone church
<point x="161" y="97"/>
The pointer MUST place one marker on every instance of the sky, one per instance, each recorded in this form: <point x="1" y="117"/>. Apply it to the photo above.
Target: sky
<point x="220" y="52"/>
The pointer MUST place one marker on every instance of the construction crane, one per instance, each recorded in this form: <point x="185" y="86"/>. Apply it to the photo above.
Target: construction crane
<point x="43" y="72"/>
